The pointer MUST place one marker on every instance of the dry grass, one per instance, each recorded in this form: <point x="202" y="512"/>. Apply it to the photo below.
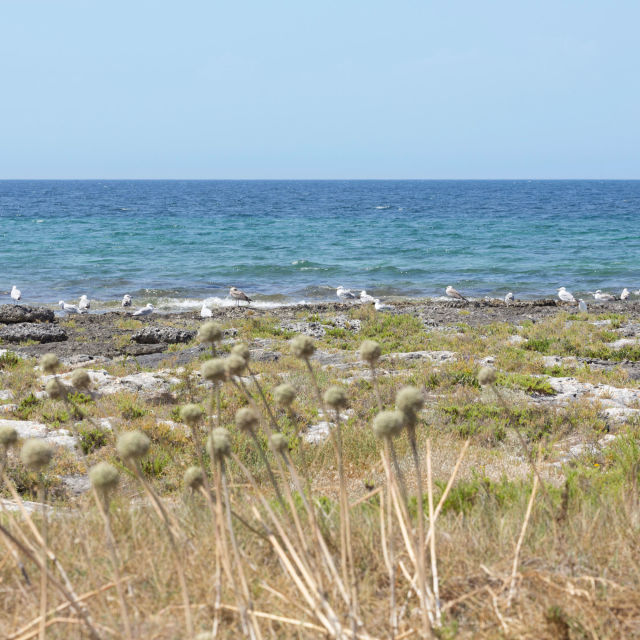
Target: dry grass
<point x="284" y="570"/>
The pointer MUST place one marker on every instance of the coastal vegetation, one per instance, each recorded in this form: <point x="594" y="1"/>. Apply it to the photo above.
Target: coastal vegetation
<point x="387" y="478"/>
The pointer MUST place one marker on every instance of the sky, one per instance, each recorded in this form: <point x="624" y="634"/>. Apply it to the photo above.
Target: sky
<point x="326" y="89"/>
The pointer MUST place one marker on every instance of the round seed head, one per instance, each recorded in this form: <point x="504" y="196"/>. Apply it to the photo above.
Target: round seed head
<point x="36" y="454"/>
<point x="191" y="414"/>
<point x="219" y="443"/>
<point x="486" y="376"/>
<point x="133" y="445"/>
<point x="246" y="419"/>
<point x="388" y="424"/>
<point x="242" y="350"/>
<point x="210" y="332"/>
<point x="409" y="400"/>
<point x="370" y="351"/>
<point x="55" y="389"/>
<point x="302" y="347"/>
<point x="49" y="363"/>
<point x="80" y="379"/>
<point x="193" y="478"/>
<point x="279" y="443"/>
<point x="214" y="370"/>
<point x="284" y="395"/>
<point x="235" y="364"/>
<point x="8" y="436"/>
<point x="335" y="397"/>
<point x="104" y="477"/>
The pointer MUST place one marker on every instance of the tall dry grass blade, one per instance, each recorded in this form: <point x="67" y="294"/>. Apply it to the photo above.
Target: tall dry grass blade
<point x="43" y="558"/>
<point x="432" y="538"/>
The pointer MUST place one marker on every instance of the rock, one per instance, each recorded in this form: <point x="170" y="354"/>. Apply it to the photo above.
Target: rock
<point x="623" y="342"/>
<point x="516" y="339"/>
<point x="76" y="484"/>
<point x="24" y="332"/>
<point x="6" y="394"/>
<point x="317" y="433"/>
<point x="8" y="408"/>
<point x="434" y="356"/>
<point x="568" y="389"/>
<point x="313" y="329"/>
<point x="158" y="335"/>
<point x="262" y="355"/>
<point x="31" y="429"/>
<point x="620" y="415"/>
<point x="18" y="313"/>
<point x="29" y="507"/>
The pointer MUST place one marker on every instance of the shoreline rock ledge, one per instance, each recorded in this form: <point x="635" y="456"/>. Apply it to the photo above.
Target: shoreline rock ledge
<point x="21" y="313"/>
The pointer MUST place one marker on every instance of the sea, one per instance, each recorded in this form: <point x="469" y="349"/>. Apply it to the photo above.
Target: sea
<point x="178" y="243"/>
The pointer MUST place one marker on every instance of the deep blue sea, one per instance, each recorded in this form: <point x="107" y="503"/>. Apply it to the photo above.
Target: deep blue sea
<point x="178" y="242"/>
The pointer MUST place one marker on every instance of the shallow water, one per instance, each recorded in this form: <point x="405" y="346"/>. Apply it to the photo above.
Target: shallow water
<point x="175" y="243"/>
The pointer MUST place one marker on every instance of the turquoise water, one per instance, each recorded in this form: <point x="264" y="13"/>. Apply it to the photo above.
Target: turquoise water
<point x="176" y="242"/>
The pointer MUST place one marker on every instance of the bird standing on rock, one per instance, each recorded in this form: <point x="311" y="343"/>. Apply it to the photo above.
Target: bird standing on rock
<point x="126" y="300"/>
<point x="239" y="295"/>
<point x="565" y="296"/>
<point x="84" y="304"/>
<point x="582" y="305"/>
<point x="205" y="312"/>
<point x="145" y="311"/>
<point x="603" y="297"/>
<point x="509" y="298"/>
<point x="15" y="294"/>
<point x="345" y="294"/>
<point x="68" y="308"/>
<point x="625" y="294"/>
<point x="453" y="293"/>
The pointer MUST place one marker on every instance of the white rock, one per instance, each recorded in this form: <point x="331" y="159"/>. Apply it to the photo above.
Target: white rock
<point x="6" y="394"/>
<point x="434" y="356"/>
<point x="623" y="342"/>
<point x="31" y="429"/>
<point x="317" y="433"/>
<point x="619" y="415"/>
<point x="516" y="339"/>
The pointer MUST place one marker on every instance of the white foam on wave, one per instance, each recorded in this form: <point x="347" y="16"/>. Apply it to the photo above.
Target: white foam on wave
<point x="188" y="304"/>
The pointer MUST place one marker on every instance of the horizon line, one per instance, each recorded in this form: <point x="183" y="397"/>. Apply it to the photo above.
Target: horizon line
<point x="319" y="179"/>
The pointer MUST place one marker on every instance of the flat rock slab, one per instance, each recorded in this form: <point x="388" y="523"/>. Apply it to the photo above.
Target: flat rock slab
<point x="26" y="331"/>
<point x="31" y="429"/>
<point x="17" y="313"/>
<point x="568" y="389"/>
<point x="145" y="382"/>
<point x="433" y="356"/>
<point x="166" y="335"/>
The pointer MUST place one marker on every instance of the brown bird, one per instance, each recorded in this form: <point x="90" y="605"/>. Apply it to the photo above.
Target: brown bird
<point x="238" y="295"/>
<point x="452" y="293"/>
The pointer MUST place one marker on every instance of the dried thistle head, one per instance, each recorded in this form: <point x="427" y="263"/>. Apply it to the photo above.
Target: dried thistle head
<point x="370" y="351"/>
<point x="487" y="376"/>
<point x="302" y="347"/>
<point x="36" y="454"/>
<point x="49" y="363"/>
<point x="214" y="370"/>
<point x="80" y="379"/>
<point x="278" y="442"/>
<point x="219" y="443"/>
<point x="104" y="477"/>
<point x="55" y="389"/>
<point x="133" y="445"/>
<point x="242" y="350"/>
<point x="191" y="414"/>
<point x="210" y="332"/>
<point x="235" y="364"/>
<point x="284" y="395"/>
<point x="246" y="419"/>
<point x="409" y="400"/>
<point x="388" y="424"/>
<point x="336" y="398"/>
<point x="8" y="436"/>
<point x="193" y="478"/>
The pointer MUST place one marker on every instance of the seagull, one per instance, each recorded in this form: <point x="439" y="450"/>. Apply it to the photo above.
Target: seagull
<point x="238" y="295"/>
<point x="366" y="298"/>
<point x="205" y="312"/>
<point x="452" y="293"/>
<point x="145" y="311"/>
<point x="379" y="306"/>
<point x="126" y="300"/>
<point x="603" y="297"/>
<point x="345" y="294"/>
<point x="565" y="296"/>
<point x="16" y="294"/>
<point x="509" y="298"/>
<point x="625" y="294"/>
<point x="582" y="305"/>
<point x="84" y="303"/>
<point x="68" y="308"/>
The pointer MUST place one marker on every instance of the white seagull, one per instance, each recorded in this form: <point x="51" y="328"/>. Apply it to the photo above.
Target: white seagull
<point x="84" y="303"/>
<point x="625" y="294"/>
<point x="16" y="294"/>
<point x="509" y="298"/>
<point x="379" y="306"/>
<point x="582" y="305"/>
<point x="126" y="300"/>
<point x="68" y="308"/>
<point x="145" y="311"/>
<point x="239" y="295"/>
<point x="205" y="312"/>
<point x="366" y="298"/>
<point x="345" y="294"/>
<point x="603" y="297"/>
<point x="565" y="296"/>
<point x="452" y="293"/>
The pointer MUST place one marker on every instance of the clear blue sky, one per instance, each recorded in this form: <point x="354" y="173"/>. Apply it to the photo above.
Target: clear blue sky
<point x="324" y="89"/>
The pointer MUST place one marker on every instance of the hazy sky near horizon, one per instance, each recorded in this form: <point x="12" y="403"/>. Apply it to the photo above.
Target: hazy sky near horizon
<point x="332" y="89"/>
